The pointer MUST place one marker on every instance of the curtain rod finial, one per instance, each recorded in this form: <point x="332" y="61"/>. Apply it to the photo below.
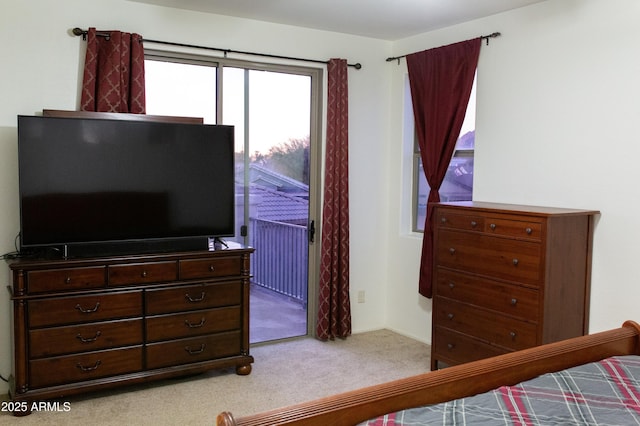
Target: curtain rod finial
<point x="77" y="31"/>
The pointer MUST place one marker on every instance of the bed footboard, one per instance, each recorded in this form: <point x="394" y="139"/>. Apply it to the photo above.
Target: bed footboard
<point x="459" y="381"/>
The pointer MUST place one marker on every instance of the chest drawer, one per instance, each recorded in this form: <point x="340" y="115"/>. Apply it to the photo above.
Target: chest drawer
<point x="66" y="279"/>
<point x="192" y="297"/>
<point x="87" y="366"/>
<point x="508" y="299"/>
<point x="183" y="351"/>
<point x="505" y="258"/>
<point x="88" y="308"/>
<point x="514" y="228"/>
<point x="44" y="342"/>
<point x="447" y="219"/>
<point x="209" y="268"/>
<point x="142" y="273"/>
<point x="455" y="348"/>
<point x="484" y="325"/>
<point x="192" y="323"/>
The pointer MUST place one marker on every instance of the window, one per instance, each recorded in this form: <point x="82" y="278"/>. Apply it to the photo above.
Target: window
<point x="458" y="181"/>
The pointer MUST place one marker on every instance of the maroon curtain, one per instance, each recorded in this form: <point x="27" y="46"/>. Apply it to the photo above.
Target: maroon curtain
<point x="441" y="80"/>
<point x="334" y="309"/>
<point x="113" y="73"/>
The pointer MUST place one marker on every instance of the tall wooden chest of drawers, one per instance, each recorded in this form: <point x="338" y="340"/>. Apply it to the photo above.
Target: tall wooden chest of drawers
<point x="507" y="277"/>
<point x="95" y="323"/>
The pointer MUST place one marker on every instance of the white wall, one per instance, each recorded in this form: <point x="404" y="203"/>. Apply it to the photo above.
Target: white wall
<point x="41" y="68"/>
<point x="557" y="110"/>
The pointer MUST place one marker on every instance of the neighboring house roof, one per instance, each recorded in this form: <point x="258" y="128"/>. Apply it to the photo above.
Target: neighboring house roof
<point x="276" y="197"/>
<point x="268" y="204"/>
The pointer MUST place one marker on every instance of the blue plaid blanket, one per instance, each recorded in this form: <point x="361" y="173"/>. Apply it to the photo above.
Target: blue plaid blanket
<point x="606" y="392"/>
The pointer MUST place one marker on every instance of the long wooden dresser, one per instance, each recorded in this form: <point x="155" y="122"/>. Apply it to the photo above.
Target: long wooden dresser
<point x="95" y="323"/>
<point x="507" y="277"/>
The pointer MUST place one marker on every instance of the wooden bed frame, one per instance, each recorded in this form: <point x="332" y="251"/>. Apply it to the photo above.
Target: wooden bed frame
<point x="463" y="380"/>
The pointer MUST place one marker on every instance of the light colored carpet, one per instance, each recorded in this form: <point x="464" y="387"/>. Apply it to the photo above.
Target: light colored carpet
<point x="283" y="373"/>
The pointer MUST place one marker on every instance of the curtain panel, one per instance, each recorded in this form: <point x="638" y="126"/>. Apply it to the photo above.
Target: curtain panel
<point x="334" y="310"/>
<point x="440" y="80"/>
<point x="113" y="73"/>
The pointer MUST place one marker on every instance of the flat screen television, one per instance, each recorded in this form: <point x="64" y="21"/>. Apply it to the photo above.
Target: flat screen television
<point x="92" y="186"/>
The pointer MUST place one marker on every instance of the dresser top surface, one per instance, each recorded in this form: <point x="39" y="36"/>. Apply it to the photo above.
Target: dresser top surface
<point x="516" y="208"/>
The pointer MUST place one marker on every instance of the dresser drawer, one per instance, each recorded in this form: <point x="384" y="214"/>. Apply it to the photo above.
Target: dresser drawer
<point x="80" y="309"/>
<point x="504" y="258"/>
<point x="142" y="273"/>
<point x="46" y="342"/>
<point x="87" y="366"/>
<point x="192" y="297"/>
<point x="505" y="298"/>
<point x="209" y="267"/>
<point x="484" y="325"/>
<point x="455" y="348"/>
<point x="204" y="348"/>
<point x="448" y="219"/>
<point x="66" y="279"/>
<point x="514" y="228"/>
<point x="193" y="323"/>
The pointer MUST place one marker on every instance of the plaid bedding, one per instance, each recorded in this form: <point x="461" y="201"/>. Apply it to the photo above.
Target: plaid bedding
<point x="606" y="392"/>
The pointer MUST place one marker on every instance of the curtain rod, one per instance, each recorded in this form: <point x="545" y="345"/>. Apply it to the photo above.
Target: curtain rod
<point x="484" y="37"/>
<point x="80" y="32"/>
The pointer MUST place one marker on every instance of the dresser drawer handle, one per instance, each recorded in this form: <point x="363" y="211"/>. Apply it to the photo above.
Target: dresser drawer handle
<point x="443" y="219"/>
<point x="474" y="223"/>
<point x="195" y="325"/>
<point x="450" y="346"/>
<point x="89" y="339"/>
<point x="144" y="274"/>
<point x="450" y="316"/>
<point x="452" y="285"/>
<point x="94" y="367"/>
<point x="513" y="335"/>
<point x="211" y="268"/>
<point x="514" y="301"/>
<point x="88" y="311"/>
<point x="492" y="226"/>
<point x="67" y="280"/>
<point x="528" y="231"/>
<point x="515" y="262"/>
<point x="195" y="351"/>
<point x="452" y="251"/>
<point x="195" y="299"/>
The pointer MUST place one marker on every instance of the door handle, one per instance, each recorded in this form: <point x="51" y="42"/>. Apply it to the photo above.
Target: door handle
<point x="312" y="231"/>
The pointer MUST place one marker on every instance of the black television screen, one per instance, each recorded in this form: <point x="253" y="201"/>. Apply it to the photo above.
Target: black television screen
<point x="101" y="185"/>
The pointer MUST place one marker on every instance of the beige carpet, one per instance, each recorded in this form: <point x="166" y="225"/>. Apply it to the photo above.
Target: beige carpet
<point x="283" y="373"/>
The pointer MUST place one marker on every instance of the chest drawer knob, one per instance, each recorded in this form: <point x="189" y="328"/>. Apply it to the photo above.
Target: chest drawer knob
<point x="90" y="368"/>
<point x="514" y="301"/>
<point x="195" y="299"/>
<point x="450" y="346"/>
<point x="89" y="339"/>
<point x="88" y="310"/>
<point x="528" y="231"/>
<point x="450" y="316"/>
<point x="452" y="251"/>
<point x="195" y="325"/>
<point x="67" y="280"/>
<point x="515" y="262"/>
<point x="443" y="220"/>
<point x="144" y="274"/>
<point x="211" y="268"/>
<point x="513" y="335"/>
<point x="492" y="226"/>
<point x="452" y="285"/>
<point x="195" y="351"/>
<point x="474" y="223"/>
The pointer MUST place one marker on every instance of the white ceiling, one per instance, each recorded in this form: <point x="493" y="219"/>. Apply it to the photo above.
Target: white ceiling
<point x="381" y="19"/>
